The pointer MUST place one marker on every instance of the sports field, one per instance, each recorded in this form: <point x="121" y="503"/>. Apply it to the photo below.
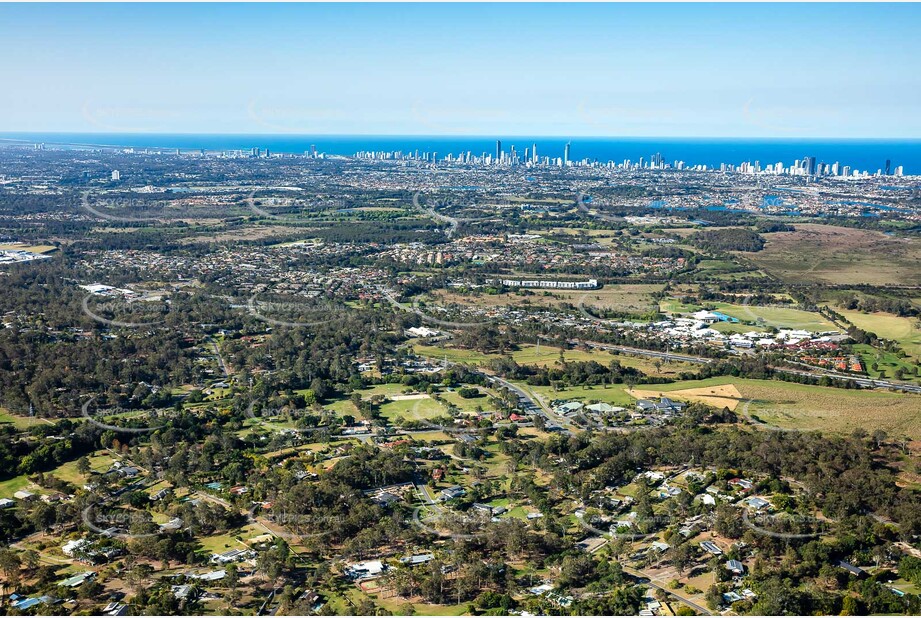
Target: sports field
<point x="779" y="317"/>
<point x="419" y="407"/>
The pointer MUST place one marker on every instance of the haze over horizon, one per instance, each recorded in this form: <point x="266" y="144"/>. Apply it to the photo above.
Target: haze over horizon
<point x="660" y="70"/>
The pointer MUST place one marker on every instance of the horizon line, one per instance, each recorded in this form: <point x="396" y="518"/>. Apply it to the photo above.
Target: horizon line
<point x="462" y="136"/>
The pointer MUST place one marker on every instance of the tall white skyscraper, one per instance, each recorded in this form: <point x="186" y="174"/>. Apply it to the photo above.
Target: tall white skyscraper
<point x="116" y="175"/>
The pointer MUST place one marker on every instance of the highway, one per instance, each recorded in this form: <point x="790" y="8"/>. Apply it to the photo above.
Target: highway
<point x="672" y="356"/>
<point x="531" y="405"/>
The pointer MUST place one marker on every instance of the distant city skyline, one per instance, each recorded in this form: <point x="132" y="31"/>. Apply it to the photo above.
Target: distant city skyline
<point x="569" y="71"/>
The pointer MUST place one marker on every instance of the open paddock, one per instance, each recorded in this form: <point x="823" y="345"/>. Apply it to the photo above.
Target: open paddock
<point x="906" y="331"/>
<point x="812" y="408"/>
<point x="840" y="256"/>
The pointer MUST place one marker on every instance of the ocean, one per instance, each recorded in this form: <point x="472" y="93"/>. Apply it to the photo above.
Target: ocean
<point x="859" y="154"/>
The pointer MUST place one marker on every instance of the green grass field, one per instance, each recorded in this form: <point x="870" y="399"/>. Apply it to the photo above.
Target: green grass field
<point x="648" y="365"/>
<point x="806" y="407"/>
<point x="11" y="486"/>
<point x="19" y="422"/>
<point x="614" y="395"/>
<point x="907" y="331"/>
<point x="673" y="305"/>
<point x="888" y="364"/>
<point x="100" y="462"/>
<point x="527" y="355"/>
<point x="733" y="327"/>
<point x="784" y="404"/>
<point x="412" y="409"/>
<point x="779" y="317"/>
<point x="469" y="405"/>
<point x="219" y="543"/>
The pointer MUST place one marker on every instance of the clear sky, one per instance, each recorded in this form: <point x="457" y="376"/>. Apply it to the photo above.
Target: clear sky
<point x="723" y="70"/>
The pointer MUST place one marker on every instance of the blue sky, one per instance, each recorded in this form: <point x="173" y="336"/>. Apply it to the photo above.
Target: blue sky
<point x="722" y="70"/>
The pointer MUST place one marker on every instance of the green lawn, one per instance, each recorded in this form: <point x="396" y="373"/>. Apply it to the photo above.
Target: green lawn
<point x="779" y="317"/>
<point x="19" y="422"/>
<point x="527" y="355"/>
<point x="907" y="331"/>
<point x="412" y="409"/>
<point x="736" y="327"/>
<point x="469" y="405"/>
<point x="99" y="462"/>
<point x="219" y="543"/>
<point x="887" y="363"/>
<point x="615" y="395"/>
<point x="673" y="305"/>
<point x="11" y="486"/>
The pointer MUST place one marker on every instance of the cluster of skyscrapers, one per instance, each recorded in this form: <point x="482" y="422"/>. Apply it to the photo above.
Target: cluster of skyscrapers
<point x="512" y="158"/>
<point x="806" y="167"/>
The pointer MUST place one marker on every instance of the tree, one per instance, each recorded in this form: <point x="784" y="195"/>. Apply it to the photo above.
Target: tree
<point x="10" y="564"/>
<point x="233" y="581"/>
<point x="31" y="559"/>
<point x="879" y="436"/>
<point x="850" y="606"/>
<point x="83" y="465"/>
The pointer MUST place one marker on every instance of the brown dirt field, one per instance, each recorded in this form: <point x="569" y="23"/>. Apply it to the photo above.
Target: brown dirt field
<point x="839" y="255"/>
<point x="726" y="395"/>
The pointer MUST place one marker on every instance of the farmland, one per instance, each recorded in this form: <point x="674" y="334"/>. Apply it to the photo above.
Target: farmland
<point x="838" y="255"/>
<point x="526" y="355"/>
<point x="814" y="408"/>
<point x="626" y="298"/>
<point x="906" y="331"/>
